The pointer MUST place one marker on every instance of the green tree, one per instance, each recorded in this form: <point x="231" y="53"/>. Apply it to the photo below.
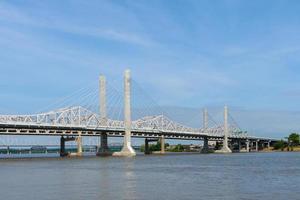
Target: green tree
<point x="294" y="139"/>
<point x="178" y="148"/>
<point x="142" y="148"/>
<point x="153" y="147"/>
<point x="280" y="145"/>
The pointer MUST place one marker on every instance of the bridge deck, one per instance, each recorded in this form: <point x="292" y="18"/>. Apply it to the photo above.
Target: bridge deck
<point x="52" y="130"/>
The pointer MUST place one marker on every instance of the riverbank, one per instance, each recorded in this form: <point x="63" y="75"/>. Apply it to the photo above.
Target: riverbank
<point x="286" y="149"/>
<point x="297" y="149"/>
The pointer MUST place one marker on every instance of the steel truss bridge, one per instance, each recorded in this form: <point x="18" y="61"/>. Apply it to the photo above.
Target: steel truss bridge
<point x="71" y="121"/>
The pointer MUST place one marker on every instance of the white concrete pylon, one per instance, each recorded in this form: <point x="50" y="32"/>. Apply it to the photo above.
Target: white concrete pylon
<point x="103" y="149"/>
<point x="225" y="148"/>
<point x="127" y="149"/>
<point x="102" y="95"/>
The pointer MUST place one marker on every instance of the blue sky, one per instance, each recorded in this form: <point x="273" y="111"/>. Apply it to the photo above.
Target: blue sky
<point x="245" y="54"/>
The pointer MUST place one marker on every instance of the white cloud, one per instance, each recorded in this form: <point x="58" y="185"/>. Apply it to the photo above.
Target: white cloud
<point x="12" y="14"/>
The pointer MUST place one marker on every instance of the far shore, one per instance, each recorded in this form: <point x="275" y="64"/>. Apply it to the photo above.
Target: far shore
<point x="286" y="149"/>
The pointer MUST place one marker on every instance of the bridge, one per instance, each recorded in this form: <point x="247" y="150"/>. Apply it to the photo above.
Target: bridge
<point x="71" y="123"/>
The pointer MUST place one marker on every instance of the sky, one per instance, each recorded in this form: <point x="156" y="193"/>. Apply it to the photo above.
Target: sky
<point x="184" y="53"/>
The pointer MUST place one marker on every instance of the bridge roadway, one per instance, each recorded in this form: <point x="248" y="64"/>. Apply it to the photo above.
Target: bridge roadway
<point x="75" y="131"/>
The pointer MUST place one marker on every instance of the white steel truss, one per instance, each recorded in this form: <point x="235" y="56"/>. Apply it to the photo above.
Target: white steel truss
<point x="81" y="117"/>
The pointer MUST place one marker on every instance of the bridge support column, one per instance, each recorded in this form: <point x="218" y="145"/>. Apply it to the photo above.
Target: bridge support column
<point x="79" y="144"/>
<point x="205" y="148"/>
<point x="256" y="145"/>
<point x="225" y="148"/>
<point x="162" y="145"/>
<point x="62" y="147"/>
<point x="247" y="146"/>
<point x="103" y="149"/>
<point x="239" y="145"/>
<point x="127" y="149"/>
<point x="147" y="151"/>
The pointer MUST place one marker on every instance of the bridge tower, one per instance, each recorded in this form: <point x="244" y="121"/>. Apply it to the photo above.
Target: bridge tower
<point x="225" y="148"/>
<point x="127" y="149"/>
<point x="205" y="148"/>
<point x="103" y="150"/>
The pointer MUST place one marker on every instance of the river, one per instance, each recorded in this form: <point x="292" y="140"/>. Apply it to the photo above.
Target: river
<point x="248" y="176"/>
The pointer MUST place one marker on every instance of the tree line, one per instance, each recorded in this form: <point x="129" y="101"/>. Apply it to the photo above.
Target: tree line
<point x="290" y="143"/>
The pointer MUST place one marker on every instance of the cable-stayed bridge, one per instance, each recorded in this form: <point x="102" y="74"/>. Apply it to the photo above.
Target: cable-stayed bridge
<point x="80" y="118"/>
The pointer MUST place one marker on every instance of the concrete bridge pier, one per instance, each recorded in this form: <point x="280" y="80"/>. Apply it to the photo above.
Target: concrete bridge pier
<point x="127" y="149"/>
<point x="79" y="145"/>
<point x="205" y="148"/>
<point x="247" y="146"/>
<point x="63" y="141"/>
<point x="103" y="150"/>
<point x="239" y="143"/>
<point x="161" y="141"/>
<point x="146" y="150"/>
<point x="162" y="145"/>
<point x="256" y="145"/>
<point x="266" y="144"/>
<point x="62" y="147"/>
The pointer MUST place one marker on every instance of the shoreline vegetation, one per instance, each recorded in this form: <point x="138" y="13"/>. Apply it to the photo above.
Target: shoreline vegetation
<point x="291" y="143"/>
